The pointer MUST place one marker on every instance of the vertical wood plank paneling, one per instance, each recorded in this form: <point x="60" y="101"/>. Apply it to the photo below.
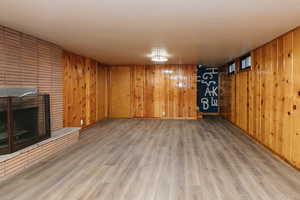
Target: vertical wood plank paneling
<point x="242" y="98"/>
<point x="272" y="91"/>
<point x="85" y="90"/>
<point x="180" y="105"/>
<point x="139" y="82"/>
<point x="276" y="93"/>
<point x="162" y="91"/>
<point x="192" y="92"/>
<point x="288" y="93"/>
<point x="120" y="91"/>
<point x="244" y="101"/>
<point x="176" y="89"/>
<point x="264" y="95"/>
<point x="101" y="92"/>
<point x="172" y="92"/>
<point x="269" y="95"/>
<point x="251" y="101"/>
<point x="149" y="92"/>
<point x="280" y="98"/>
<point x="91" y="104"/>
<point x="237" y="99"/>
<point x="156" y="93"/>
<point x="73" y="90"/>
<point x="257" y="93"/>
<point x="224" y="92"/>
<point x="232" y="97"/>
<point x="296" y="106"/>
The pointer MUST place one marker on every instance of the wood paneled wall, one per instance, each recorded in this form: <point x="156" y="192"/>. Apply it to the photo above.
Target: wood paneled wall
<point x="265" y="101"/>
<point x="28" y="62"/>
<point x="156" y="91"/>
<point x="85" y="90"/>
<point x="120" y="92"/>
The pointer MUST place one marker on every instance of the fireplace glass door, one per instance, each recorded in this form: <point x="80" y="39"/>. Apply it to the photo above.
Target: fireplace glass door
<point x="23" y="121"/>
<point x="4" y="148"/>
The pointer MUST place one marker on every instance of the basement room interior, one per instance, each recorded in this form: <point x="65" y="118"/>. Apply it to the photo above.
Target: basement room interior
<point x="150" y="100"/>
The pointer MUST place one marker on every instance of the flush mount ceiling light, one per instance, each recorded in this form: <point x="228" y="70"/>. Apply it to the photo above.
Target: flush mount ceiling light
<point x="159" y="55"/>
<point x="159" y="59"/>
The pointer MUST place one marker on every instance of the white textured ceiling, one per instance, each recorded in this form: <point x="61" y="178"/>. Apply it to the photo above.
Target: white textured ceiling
<point x="124" y="31"/>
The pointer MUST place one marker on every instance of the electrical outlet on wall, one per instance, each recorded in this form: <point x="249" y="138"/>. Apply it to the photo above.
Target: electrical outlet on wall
<point x="81" y="122"/>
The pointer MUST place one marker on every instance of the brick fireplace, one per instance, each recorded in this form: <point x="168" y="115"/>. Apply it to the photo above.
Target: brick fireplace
<point x="24" y="120"/>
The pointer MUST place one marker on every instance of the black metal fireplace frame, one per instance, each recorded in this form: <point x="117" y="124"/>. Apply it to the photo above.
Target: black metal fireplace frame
<point x="12" y="147"/>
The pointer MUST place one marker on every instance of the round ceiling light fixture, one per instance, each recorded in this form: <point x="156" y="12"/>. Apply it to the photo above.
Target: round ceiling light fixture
<point x="159" y="59"/>
<point x="159" y="56"/>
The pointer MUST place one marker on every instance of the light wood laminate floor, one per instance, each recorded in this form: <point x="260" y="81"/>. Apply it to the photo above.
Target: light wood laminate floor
<point x="148" y="159"/>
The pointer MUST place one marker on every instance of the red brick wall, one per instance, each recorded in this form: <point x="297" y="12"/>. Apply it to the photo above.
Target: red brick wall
<point x="34" y="154"/>
<point x="29" y="62"/>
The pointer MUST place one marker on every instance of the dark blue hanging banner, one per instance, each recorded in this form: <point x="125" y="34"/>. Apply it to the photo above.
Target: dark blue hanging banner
<point x="207" y="89"/>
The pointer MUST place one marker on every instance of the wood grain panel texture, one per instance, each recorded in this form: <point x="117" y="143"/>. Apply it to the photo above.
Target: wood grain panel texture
<point x="85" y="90"/>
<point x="120" y="92"/>
<point x="156" y="91"/>
<point x="266" y="100"/>
<point x="28" y="62"/>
